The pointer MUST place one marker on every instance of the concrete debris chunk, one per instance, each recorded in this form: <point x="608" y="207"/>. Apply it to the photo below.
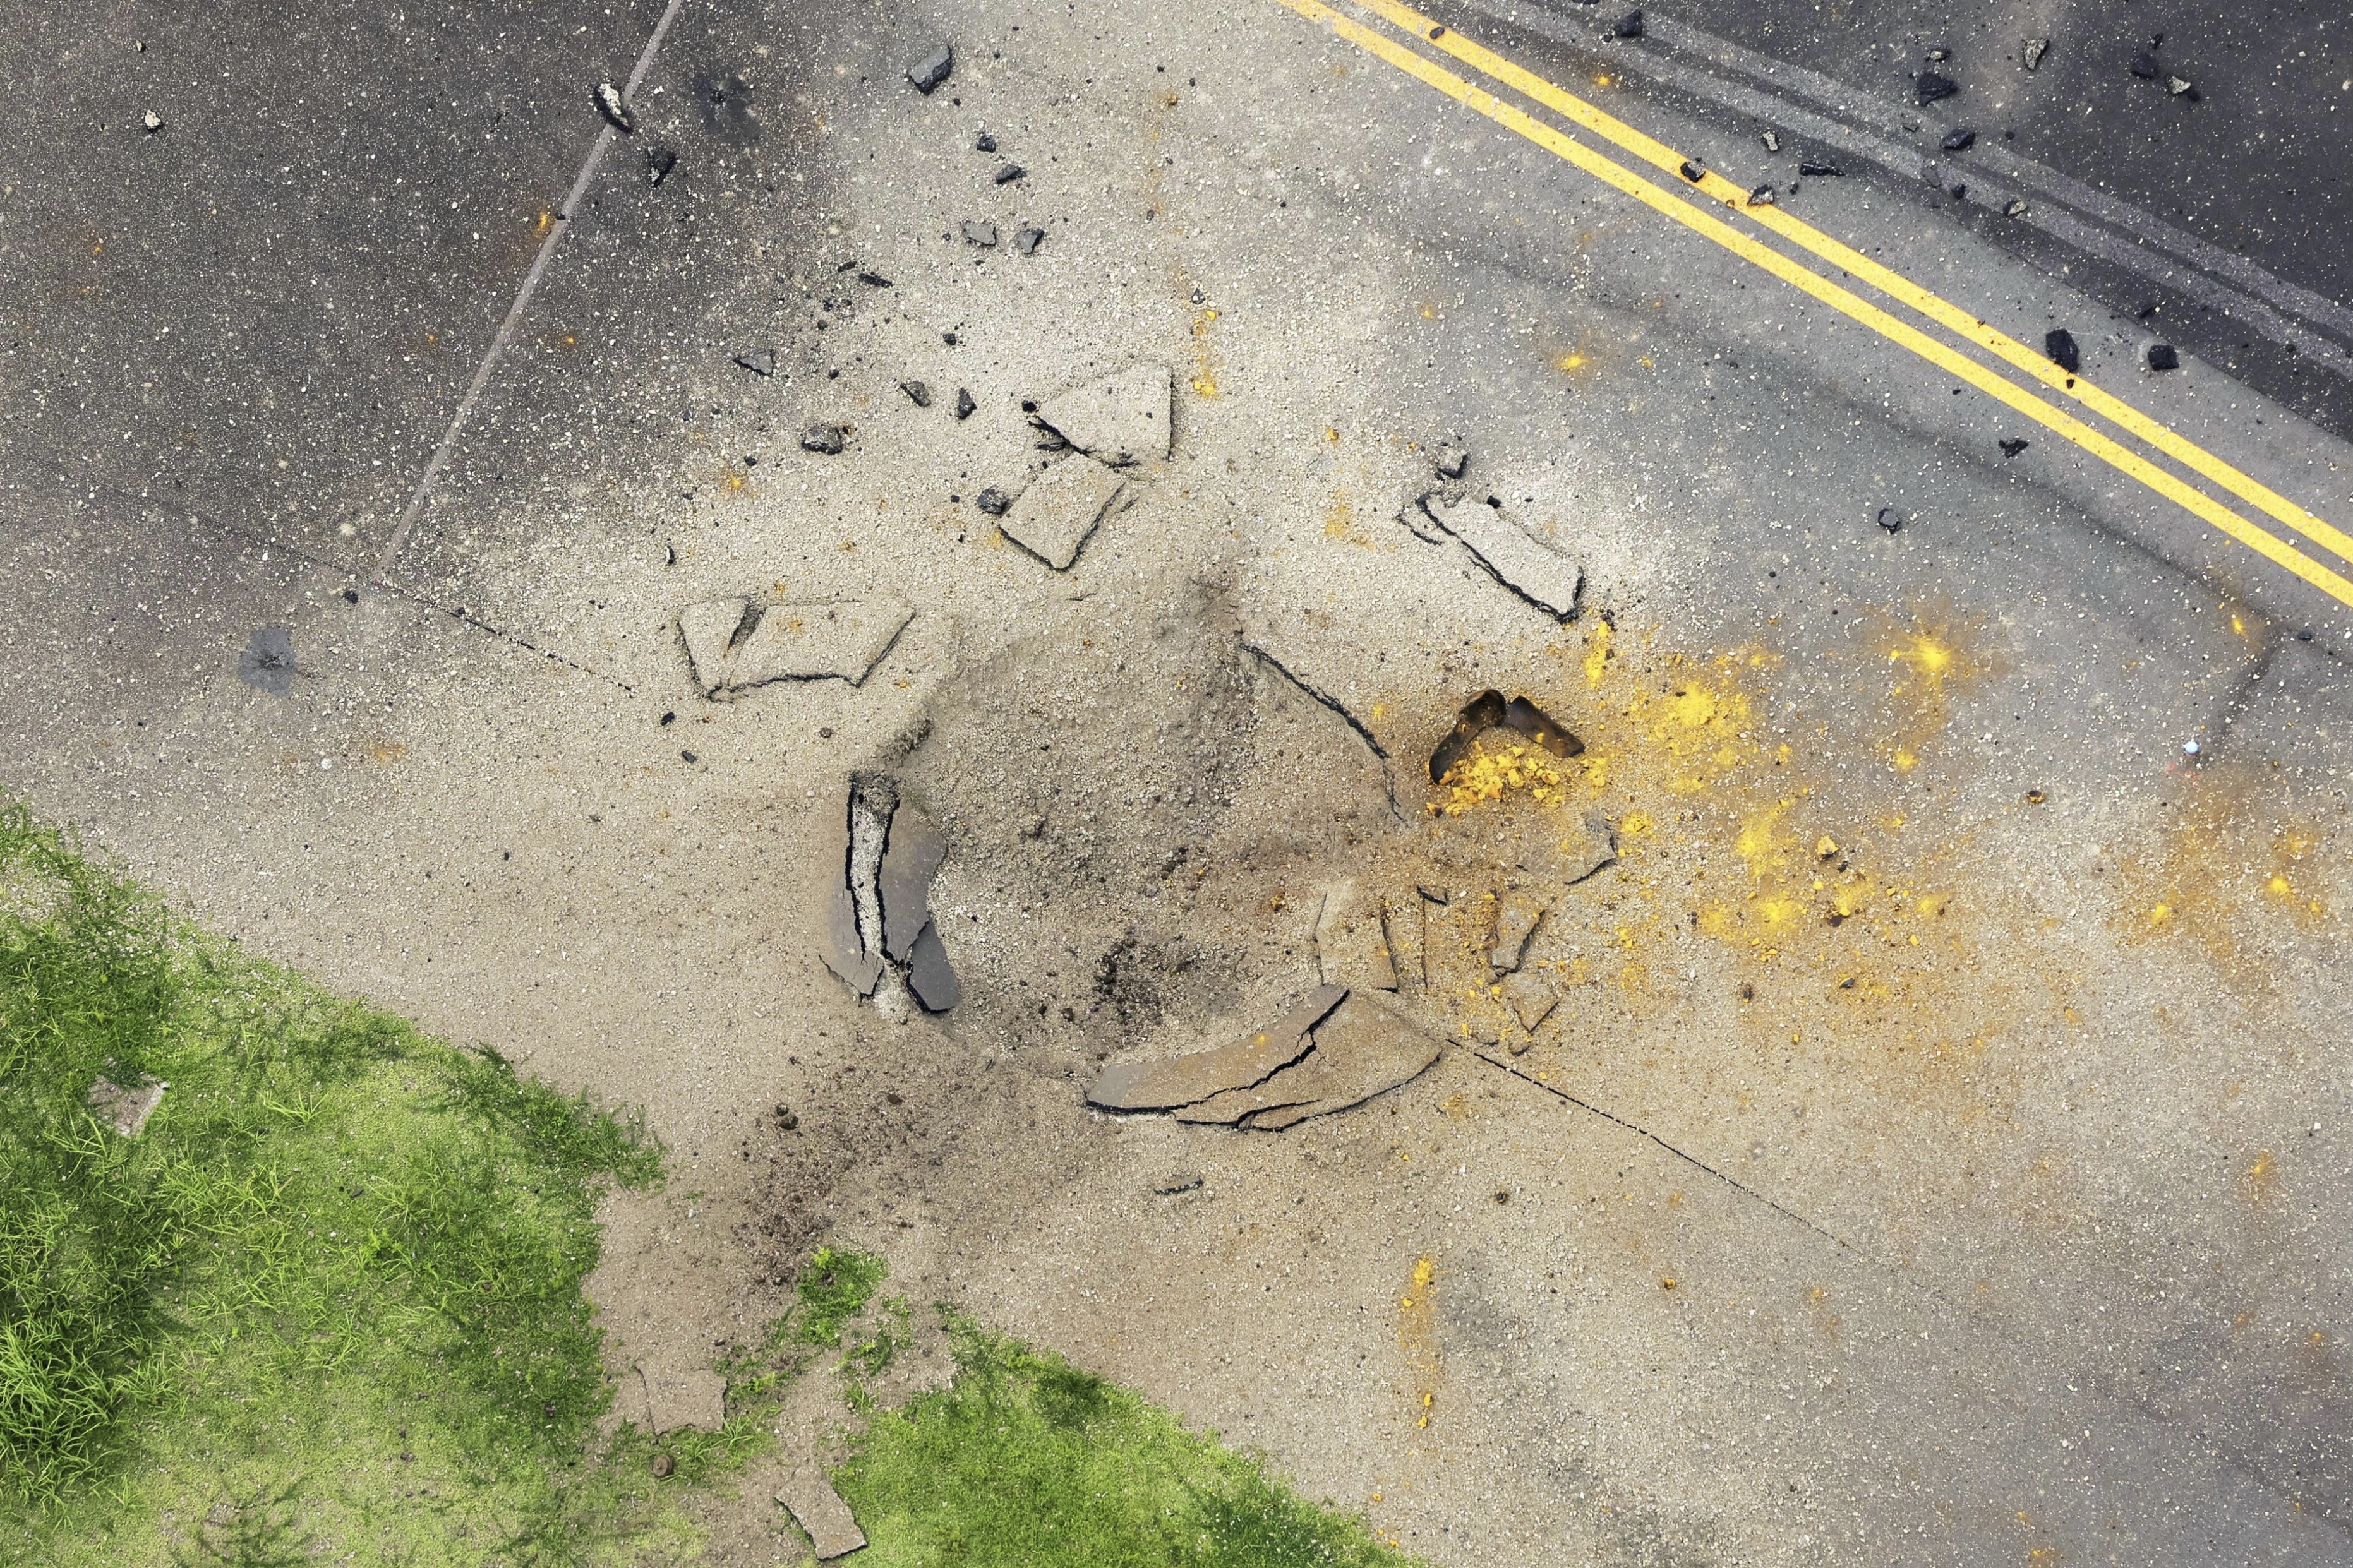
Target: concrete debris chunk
<point x="2030" y="56"/>
<point x="1118" y="419"/>
<point x="660" y="162"/>
<point x="615" y="108"/>
<point x="1515" y="922"/>
<point x="1959" y="140"/>
<point x="929" y="974"/>
<point x="1628" y="25"/>
<point x="1520" y="559"/>
<point x="1364" y="1049"/>
<point x="1813" y="169"/>
<point x="1352" y="946"/>
<point x="993" y="501"/>
<point x="2012" y="446"/>
<point x="1010" y="172"/>
<point x="2059" y="344"/>
<point x="697" y="1399"/>
<point x="980" y="234"/>
<point x="1187" y="1079"/>
<point x="2016" y="208"/>
<point x="759" y="361"/>
<point x="819" y="1510"/>
<point x="841" y="641"/>
<point x="1026" y="240"/>
<point x="126" y="1108"/>
<point x="2179" y="84"/>
<point x="917" y="392"/>
<point x="1932" y="86"/>
<point x="1531" y="999"/>
<point x="825" y="438"/>
<point x="1449" y="460"/>
<point x="932" y="70"/>
<point x="1772" y="140"/>
<point x="2161" y="356"/>
<point x="151" y="122"/>
<point x="844" y="948"/>
<point x="1061" y="508"/>
<point x="965" y="407"/>
<point x="912" y="853"/>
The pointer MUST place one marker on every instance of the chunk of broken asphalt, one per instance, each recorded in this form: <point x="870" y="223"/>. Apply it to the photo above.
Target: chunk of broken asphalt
<point x="913" y="852"/>
<point x="1934" y="85"/>
<point x="986" y="143"/>
<point x="819" y="1510"/>
<point x="1529" y="565"/>
<point x="932" y="70"/>
<point x="2144" y="67"/>
<point x="1692" y="169"/>
<point x="980" y="234"/>
<point x="1026" y="240"/>
<point x="993" y="501"/>
<point x="1364" y="1048"/>
<point x="1119" y="419"/>
<point x="824" y="438"/>
<point x="1059" y="510"/>
<point x="2059" y="344"/>
<point x="2012" y="446"/>
<point x="917" y="392"/>
<point x="964" y="405"/>
<point x="2161" y="356"/>
<point x="660" y="162"/>
<point x="929" y="974"/>
<point x="1763" y="196"/>
<point x="1819" y="171"/>
<point x="1888" y="518"/>
<point x="1959" y="140"/>
<point x="759" y="361"/>
<point x="2030" y="56"/>
<point x="1628" y="25"/>
<point x="615" y="108"/>
<point x="2178" y="85"/>
<point x="1010" y="172"/>
<point x="1186" y="1079"/>
<point x="1449" y="460"/>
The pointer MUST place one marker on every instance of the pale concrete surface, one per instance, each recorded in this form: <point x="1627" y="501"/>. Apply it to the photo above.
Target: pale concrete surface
<point x="2031" y="1237"/>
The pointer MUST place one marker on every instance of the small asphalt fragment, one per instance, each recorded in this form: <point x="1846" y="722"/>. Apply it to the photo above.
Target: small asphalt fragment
<point x="932" y="70"/>
<point x="1959" y="140"/>
<point x="2161" y="356"/>
<point x="1119" y="419"/>
<point x="1189" y="1079"/>
<point x="1813" y="169"/>
<point x="1026" y="240"/>
<point x="1889" y="520"/>
<point x="759" y="361"/>
<point x="616" y="108"/>
<point x="734" y="645"/>
<point x="660" y="162"/>
<point x="1763" y="196"/>
<point x="2030" y="56"/>
<point x="1057" y="514"/>
<point x="993" y="501"/>
<point x="964" y="405"/>
<point x="819" y="1510"/>
<point x="825" y="438"/>
<point x="979" y="233"/>
<point x="150" y="122"/>
<point x="1177" y="1182"/>
<point x="1934" y="86"/>
<point x="917" y="392"/>
<point x="1514" y="555"/>
<point x="1010" y="172"/>
<point x="2059" y="347"/>
<point x="1628" y="25"/>
<point x="2012" y="446"/>
<point x="986" y="143"/>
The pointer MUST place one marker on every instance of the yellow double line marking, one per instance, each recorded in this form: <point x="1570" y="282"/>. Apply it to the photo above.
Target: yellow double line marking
<point x="1897" y="286"/>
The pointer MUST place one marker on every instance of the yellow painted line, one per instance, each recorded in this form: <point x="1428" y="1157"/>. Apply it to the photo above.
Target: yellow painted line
<point x="1893" y="284"/>
<point x="1944" y="358"/>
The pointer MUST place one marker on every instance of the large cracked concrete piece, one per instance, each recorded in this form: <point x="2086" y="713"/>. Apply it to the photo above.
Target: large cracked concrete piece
<point x="1061" y="508"/>
<point x="1364" y="1048"/>
<point x="787" y="642"/>
<point x="1118" y="419"/>
<point x="1522" y="561"/>
<point x="1182" y="1080"/>
<point x="819" y="1510"/>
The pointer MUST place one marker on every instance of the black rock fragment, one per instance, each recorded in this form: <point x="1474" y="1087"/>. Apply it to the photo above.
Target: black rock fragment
<point x="917" y="392"/>
<point x="2144" y="67"/>
<point x="1693" y="170"/>
<point x="2058" y="343"/>
<point x="1026" y="240"/>
<point x="1889" y="519"/>
<point x="932" y="70"/>
<point x="1959" y="140"/>
<point x="986" y="143"/>
<point x="825" y="438"/>
<point x="2012" y="446"/>
<point x="759" y="361"/>
<point x="1815" y="171"/>
<point x="660" y="162"/>
<point x="993" y="501"/>
<point x="616" y="111"/>
<point x="1934" y="86"/>
<point x="1628" y="25"/>
<point x="875" y="280"/>
<point x="1010" y="172"/>
<point x="966" y="407"/>
<point x="1763" y="196"/>
<point x="2162" y="356"/>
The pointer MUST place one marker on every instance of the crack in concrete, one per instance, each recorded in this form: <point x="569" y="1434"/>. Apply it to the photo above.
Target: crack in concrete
<point x="1324" y="700"/>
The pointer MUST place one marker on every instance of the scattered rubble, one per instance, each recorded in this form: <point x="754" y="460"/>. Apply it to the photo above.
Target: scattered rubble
<point x="825" y="438"/>
<point x="1059" y="511"/>
<point x="616" y="111"/>
<point x="1351" y="945"/>
<point x="660" y="162"/>
<point x="981" y="234"/>
<point x="695" y="1398"/>
<point x="1190" y="1079"/>
<point x="965" y="407"/>
<point x="819" y="1510"/>
<point x="267" y="662"/>
<point x="759" y="361"/>
<point x="2059" y="345"/>
<point x="993" y="501"/>
<point x="2161" y="356"/>
<point x="1516" y="919"/>
<point x="126" y="1108"/>
<point x="1365" y="1048"/>
<point x="1119" y="419"/>
<point x="932" y="70"/>
<point x="1488" y="711"/>
<point x="879" y="916"/>
<point x="1522" y="561"/>
<point x="733" y="647"/>
<point x="2032" y="56"/>
<point x="917" y="392"/>
<point x="1026" y="240"/>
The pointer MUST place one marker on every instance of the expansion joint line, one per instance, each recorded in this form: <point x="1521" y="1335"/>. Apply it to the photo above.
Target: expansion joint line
<point x="1691" y="176"/>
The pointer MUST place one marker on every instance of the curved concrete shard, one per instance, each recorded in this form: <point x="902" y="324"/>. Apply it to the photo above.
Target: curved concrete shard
<point x="1061" y="508"/>
<point x="1181" y="1080"/>
<point x="1121" y="418"/>
<point x="1365" y="1047"/>
<point x="1512" y="554"/>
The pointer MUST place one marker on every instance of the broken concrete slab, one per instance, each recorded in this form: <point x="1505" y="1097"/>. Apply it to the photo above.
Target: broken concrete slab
<point x="709" y="630"/>
<point x="1520" y="559"/>
<point x="1531" y="998"/>
<point x="126" y="1107"/>
<point x="843" y="947"/>
<point x="1351" y="945"/>
<point x="819" y="1510"/>
<point x="912" y="856"/>
<point x="929" y="974"/>
<point x="1118" y="419"/>
<point x="787" y="642"/>
<point x="696" y="1398"/>
<point x="1061" y="508"/>
<point x="1364" y="1048"/>
<point x="1515" y="922"/>
<point x="1407" y="930"/>
<point x="1183" y="1081"/>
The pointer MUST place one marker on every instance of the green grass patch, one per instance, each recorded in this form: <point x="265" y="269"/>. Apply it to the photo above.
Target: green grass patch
<point x="327" y="1303"/>
<point x="1025" y="1461"/>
